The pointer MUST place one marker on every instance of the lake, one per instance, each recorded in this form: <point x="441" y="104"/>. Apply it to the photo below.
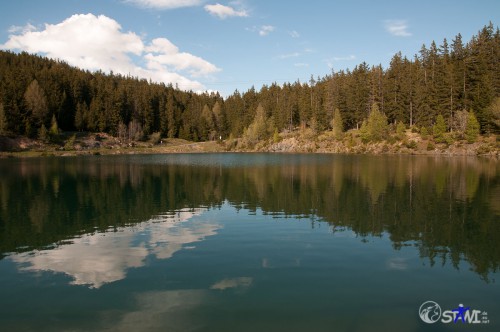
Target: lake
<point x="249" y="242"/>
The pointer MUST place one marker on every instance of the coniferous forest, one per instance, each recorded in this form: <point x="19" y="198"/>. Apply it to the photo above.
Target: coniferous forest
<point x="439" y="83"/>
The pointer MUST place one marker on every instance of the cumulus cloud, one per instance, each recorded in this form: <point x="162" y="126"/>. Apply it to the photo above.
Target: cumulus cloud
<point x="294" y="34"/>
<point x="223" y="12"/>
<point x="165" y="4"/>
<point x="98" y="43"/>
<point x="164" y="55"/>
<point x="397" y="28"/>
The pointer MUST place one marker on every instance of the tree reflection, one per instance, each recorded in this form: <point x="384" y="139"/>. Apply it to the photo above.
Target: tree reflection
<point x="447" y="207"/>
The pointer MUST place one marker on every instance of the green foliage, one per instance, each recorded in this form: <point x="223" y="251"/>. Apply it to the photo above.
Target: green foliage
<point x="430" y="146"/>
<point x="424" y="132"/>
<point x="3" y="121"/>
<point x="337" y="124"/>
<point x="43" y="134"/>
<point x="440" y="80"/>
<point x="364" y="132"/>
<point x="411" y="144"/>
<point x="81" y="110"/>
<point x="494" y="115"/>
<point x="276" y="136"/>
<point x="472" y="129"/>
<point x="400" y="130"/>
<point x="155" y="138"/>
<point x="258" y="129"/>
<point x="54" y="128"/>
<point x="135" y="132"/>
<point x="376" y="127"/>
<point x="439" y="129"/>
<point x="70" y="143"/>
<point x="36" y="103"/>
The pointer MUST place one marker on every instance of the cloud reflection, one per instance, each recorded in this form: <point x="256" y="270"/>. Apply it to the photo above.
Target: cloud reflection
<point x="97" y="259"/>
<point x="232" y="283"/>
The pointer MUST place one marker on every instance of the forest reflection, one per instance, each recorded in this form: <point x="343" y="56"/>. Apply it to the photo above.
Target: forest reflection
<point x="448" y="208"/>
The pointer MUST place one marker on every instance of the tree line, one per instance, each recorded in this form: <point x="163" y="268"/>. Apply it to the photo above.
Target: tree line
<point x="452" y="81"/>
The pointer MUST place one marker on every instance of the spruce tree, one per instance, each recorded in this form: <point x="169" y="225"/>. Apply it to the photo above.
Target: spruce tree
<point x="472" y="129"/>
<point x="337" y="125"/>
<point x="3" y="121"/>
<point x="439" y="129"/>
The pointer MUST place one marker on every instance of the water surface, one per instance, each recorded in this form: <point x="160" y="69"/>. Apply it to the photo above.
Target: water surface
<point x="246" y="242"/>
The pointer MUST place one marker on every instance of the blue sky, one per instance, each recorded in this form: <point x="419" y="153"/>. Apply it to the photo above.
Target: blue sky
<point x="226" y="45"/>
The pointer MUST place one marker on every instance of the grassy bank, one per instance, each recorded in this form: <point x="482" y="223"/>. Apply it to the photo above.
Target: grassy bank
<point x="73" y="144"/>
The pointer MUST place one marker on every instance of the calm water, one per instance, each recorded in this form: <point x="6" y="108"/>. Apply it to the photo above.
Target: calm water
<point x="248" y="242"/>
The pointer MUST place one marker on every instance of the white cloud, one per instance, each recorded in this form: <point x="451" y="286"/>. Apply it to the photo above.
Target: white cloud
<point x="265" y="30"/>
<point x="165" y="4"/>
<point x="21" y="29"/>
<point x="397" y="28"/>
<point x="98" y="43"/>
<point x="168" y="57"/>
<point x="223" y="12"/>
<point x="301" y="64"/>
<point x="294" y="34"/>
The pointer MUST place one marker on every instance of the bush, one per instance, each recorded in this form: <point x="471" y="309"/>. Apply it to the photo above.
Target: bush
<point x="430" y="146"/>
<point x="276" y="136"/>
<point x="155" y="138"/>
<point x="448" y="139"/>
<point x="411" y="144"/>
<point x="400" y="130"/>
<point x="424" y="132"/>
<point x="43" y="134"/>
<point x="70" y="143"/>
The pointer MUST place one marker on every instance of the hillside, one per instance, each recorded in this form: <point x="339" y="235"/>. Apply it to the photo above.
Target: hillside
<point x="454" y="84"/>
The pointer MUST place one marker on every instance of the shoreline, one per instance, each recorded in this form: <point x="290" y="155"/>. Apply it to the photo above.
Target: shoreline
<point x="87" y="144"/>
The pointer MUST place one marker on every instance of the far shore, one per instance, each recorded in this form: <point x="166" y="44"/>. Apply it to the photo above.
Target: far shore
<point x="80" y="144"/>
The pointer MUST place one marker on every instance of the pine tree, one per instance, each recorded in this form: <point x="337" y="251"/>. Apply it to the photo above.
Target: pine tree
<point x="439" y="129"/>
<point x="337" y="125"/>
<point x="472" y="129"/>
<point x="81" y="110"/>
<point x="54" y="129"/>
<point x="43" y="134"/>
<point x="36" y="103"/>
<point x="377" y="124"/>
<point x="3" y="121"/>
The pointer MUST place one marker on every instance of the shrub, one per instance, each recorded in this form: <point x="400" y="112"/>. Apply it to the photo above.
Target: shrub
<point x="400" y="129"/>
<point x="424" y="132"/>
<point x="155" y="138"/>
<point x="411" y="144"/>
<point x="70" y="143"/>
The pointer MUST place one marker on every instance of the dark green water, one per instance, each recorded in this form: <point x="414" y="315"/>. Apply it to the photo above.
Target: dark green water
<point x="248" y="242"/>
